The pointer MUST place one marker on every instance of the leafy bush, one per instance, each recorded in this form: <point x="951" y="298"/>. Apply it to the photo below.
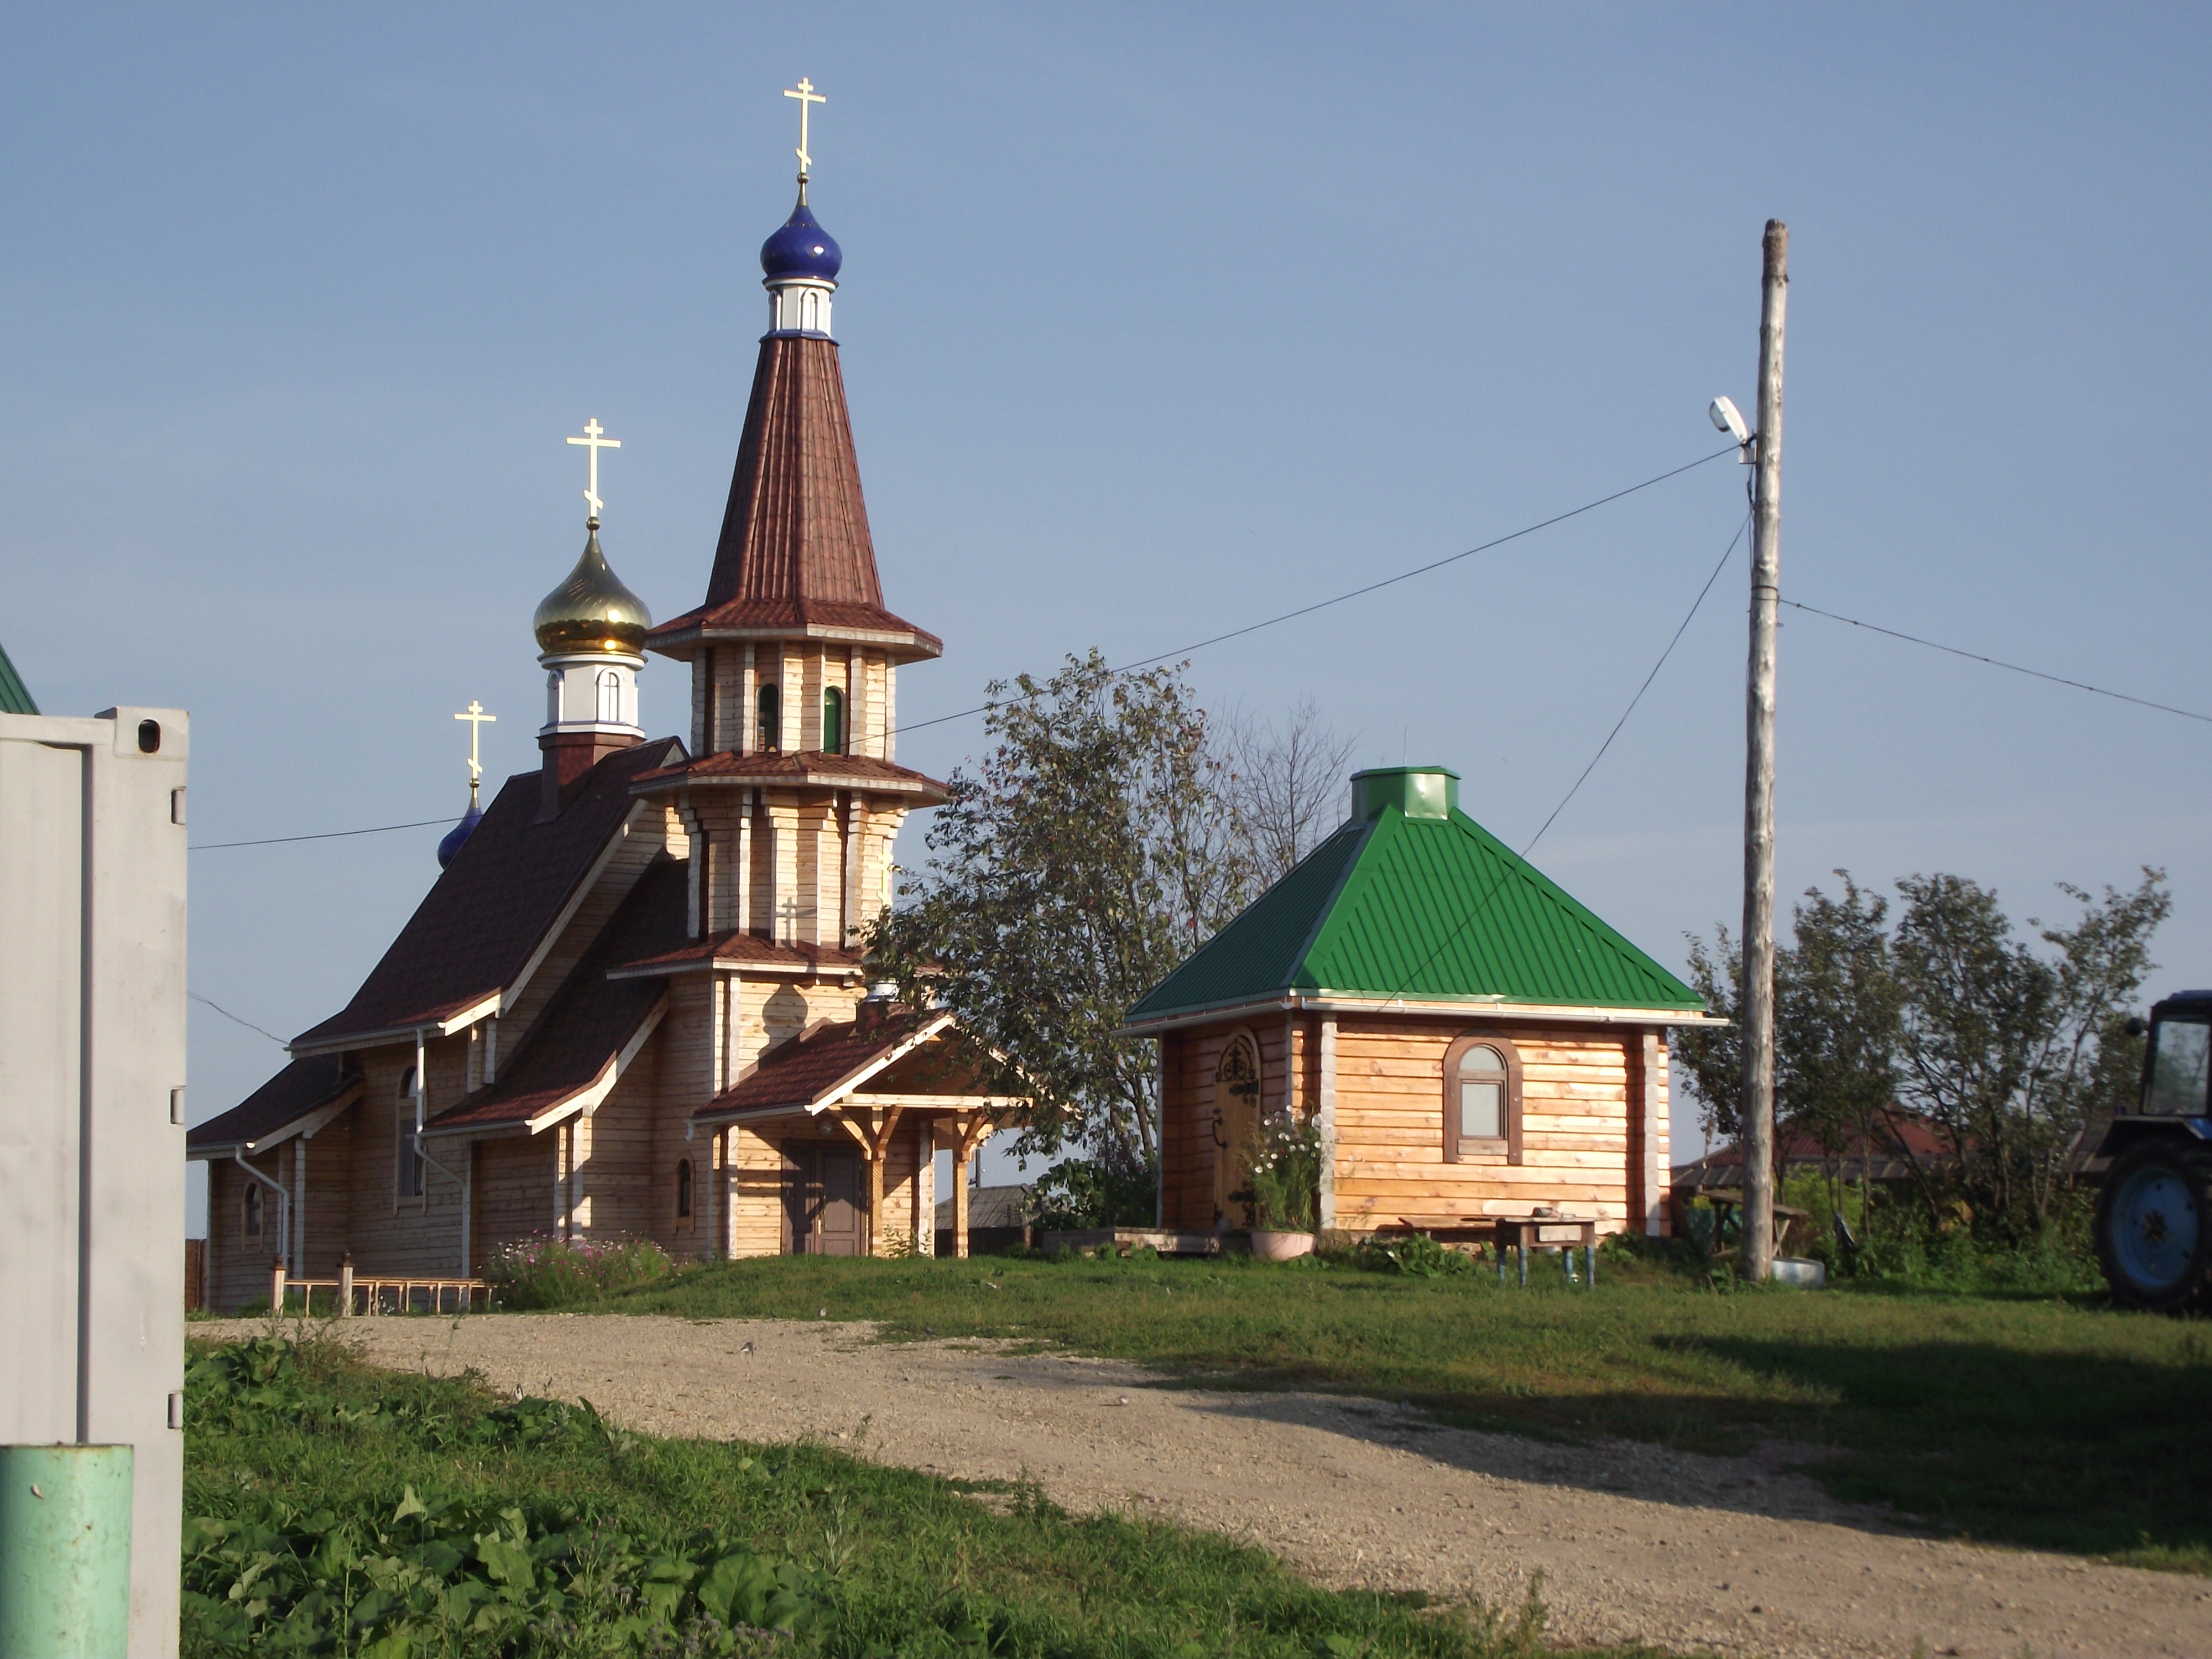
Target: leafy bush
<point x="553" y="1272"/>
<point x="1078" y="1193"/>
<point x="432" y="1573"/>
<point x="1282" y="1168"/>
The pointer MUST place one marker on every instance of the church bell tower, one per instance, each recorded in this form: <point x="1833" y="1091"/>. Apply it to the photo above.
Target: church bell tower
<point x="793" y="795"/>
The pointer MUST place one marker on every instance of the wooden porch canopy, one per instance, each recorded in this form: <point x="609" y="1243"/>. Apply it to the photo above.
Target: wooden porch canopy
<point x="866" y="1077"/>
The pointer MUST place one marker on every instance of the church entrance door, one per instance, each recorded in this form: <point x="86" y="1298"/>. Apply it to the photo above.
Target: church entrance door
<point x="823" y="1201"/>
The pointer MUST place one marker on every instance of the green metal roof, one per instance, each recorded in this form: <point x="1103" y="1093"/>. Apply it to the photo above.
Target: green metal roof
<point x="15" y="695"/>
<point x="1413" y="898"/>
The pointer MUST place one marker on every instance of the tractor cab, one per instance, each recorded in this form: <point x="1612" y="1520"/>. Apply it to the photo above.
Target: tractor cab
<point x="2155" y="1210"/>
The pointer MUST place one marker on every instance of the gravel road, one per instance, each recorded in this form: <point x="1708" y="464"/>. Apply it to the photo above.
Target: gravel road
<point x="1635" y="1542"/>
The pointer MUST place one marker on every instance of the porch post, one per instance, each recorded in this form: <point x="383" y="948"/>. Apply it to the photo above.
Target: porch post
<point x="874" y="1149"/>
<point x="276" y="1288"/>
<point x="345" y="1286"/>
<point x="925" y="1166"/>
<point x="960" y="1153"/>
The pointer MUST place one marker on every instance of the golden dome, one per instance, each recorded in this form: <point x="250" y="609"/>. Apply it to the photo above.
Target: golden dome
<point x="591" y="610"/>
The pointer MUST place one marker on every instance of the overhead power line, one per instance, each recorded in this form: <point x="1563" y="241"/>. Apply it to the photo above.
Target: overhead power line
<point x="236" y="1020"/>
<point x="326" y="834"/>
<point x="1355" y="592"/>
<point x="1996" y="662"/>
<point x="1148" y="662"/>
<point x="1490" y="892"/>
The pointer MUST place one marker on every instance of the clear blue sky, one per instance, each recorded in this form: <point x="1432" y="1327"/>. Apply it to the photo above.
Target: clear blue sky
<point x="1157" y="319"/>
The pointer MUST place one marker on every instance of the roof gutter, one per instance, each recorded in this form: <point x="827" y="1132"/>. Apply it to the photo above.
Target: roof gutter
<point x="1485" y="1007"/>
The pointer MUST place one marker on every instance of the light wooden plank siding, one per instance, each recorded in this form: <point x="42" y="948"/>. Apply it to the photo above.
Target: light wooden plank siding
<point x="758" y="1219"/>
<point x="517" y="1190"/>
<point x="1389" y="1117"/>
<point x="1586" y="1145"/>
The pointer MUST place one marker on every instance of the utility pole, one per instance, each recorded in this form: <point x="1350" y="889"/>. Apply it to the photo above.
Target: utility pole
<point x="1756" y="1001"/>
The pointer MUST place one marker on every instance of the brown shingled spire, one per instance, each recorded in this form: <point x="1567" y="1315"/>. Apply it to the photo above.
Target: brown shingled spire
<point x="797" y="529"/>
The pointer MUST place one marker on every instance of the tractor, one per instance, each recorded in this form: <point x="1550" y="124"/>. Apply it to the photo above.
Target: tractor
<point x="2154" y="1209"/>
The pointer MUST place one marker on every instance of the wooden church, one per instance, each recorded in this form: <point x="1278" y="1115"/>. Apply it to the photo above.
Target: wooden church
<point x="633" y="1003"/>
<point x="1472" y="1045"/>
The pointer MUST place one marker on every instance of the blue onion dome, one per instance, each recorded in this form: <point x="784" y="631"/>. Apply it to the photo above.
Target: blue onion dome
<point x="459" y="833"/>
<point x="802" y="248"/>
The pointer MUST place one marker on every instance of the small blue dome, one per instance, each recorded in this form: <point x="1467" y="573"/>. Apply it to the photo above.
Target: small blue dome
<point x="802" y="248"/>
<point x="459" y="833"/>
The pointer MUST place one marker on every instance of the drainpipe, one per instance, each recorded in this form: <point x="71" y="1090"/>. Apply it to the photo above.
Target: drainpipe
<point x="423" y="1152"/>
<point x="283" y="1204"/>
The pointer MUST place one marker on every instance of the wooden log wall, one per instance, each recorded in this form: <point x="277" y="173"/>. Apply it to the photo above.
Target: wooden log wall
<point x="1593" y="1121"/>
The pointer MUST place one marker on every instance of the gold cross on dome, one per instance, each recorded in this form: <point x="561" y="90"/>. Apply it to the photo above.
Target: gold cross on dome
<point x="805" y="94"/>
<point x="476" y="717"/>
<point x="593" y="441"/>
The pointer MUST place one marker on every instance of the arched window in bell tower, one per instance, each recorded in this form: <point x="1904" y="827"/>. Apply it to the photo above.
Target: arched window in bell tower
<point x="609" y="697"/>
<point x="833" y="721"/>
<point x="770" y="737"/>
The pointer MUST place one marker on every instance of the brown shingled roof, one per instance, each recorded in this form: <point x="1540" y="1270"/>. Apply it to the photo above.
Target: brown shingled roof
<point x="590" y="1019"/>
<point x="478" y="924"/>
<point x="803" y="1071"/>
<point x="735" y="945"/>
<point x="307" y="1084"/>
<point x="795" y="552"/>
<point x="809" y="766"/>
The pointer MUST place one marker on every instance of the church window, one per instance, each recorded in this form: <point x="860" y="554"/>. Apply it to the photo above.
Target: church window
<point x="407" y="1167"/>
<point x="771" y="720"/>
<point x="609" y="697"/>
<point x="683" y="1189"/>
<point x="833" y="721"/>
<point x="252" y="1207"/>
<point x="1482" y="1100"/>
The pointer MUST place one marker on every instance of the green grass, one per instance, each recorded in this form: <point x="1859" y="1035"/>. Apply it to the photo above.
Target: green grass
<point x="2052" y="1422"/>
<point x="333" y="1509"/>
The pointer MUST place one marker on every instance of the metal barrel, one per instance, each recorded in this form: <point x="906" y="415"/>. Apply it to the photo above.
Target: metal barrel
<point x="65" y="1551"/>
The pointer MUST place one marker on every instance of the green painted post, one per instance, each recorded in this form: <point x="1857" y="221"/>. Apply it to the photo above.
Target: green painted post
<point x="64" y="1551"/>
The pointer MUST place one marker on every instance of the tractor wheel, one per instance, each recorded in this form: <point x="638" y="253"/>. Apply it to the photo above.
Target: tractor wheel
<point x="2155" y="1225"/>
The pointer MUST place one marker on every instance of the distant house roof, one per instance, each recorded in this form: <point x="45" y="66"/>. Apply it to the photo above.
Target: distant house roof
<point x="1424" y="904"/>
<point x="476" y="928"/>
<point x="1882" y="1157"/>
<point x="301" y="1088"/>
<point x="15" y="695"/>
<point x="988" y="1207"/>
<point x="578" y="1043"/>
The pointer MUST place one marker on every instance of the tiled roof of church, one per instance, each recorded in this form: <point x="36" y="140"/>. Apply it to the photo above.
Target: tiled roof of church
<point x="590" y="1019"/>
<point x="475" y="929"/>
<point x="811" y="1066"/>
<point x="1425" y="905"/>
<point x="308" y="1084"/>
<point x="803" y="766"/>
<point x="735" y="946"/>
<point x="795" y="551"/>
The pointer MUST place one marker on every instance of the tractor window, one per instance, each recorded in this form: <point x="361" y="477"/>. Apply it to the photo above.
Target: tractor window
<point x="2178" y="1068"/>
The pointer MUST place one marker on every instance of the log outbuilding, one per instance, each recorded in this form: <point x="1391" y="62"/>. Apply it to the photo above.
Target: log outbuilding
<point x="1469" y="1041"/>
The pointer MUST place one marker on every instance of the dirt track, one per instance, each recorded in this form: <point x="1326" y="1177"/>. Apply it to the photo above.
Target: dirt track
<point x="1634" y="1541"/>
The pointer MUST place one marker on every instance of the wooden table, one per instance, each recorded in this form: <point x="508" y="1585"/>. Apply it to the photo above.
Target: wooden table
<point x="1524" y="1233"/>
<point x="1728" y="1202"/>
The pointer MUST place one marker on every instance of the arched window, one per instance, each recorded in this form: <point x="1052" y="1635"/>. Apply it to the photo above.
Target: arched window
<point x="407" y="1153"/>
<point x="252" y="1207"/>
<point x="1482" y="1101"/>
<point x="609" y="697"/>
<point x="770" y="737"/>
<point x="683" y="1189"/>
<point x="833" y="721"/>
